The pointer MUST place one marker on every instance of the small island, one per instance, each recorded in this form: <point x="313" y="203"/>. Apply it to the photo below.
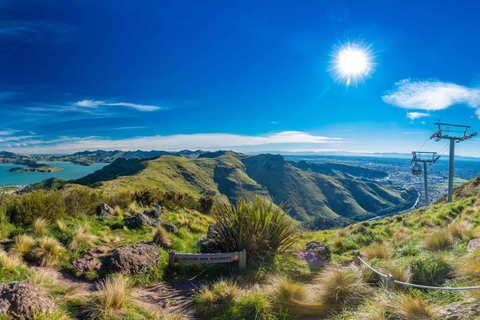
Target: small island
<point x="36" y="167"/>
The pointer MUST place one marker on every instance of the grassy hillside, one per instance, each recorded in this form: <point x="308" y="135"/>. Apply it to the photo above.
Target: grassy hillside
<point x="229" y="175"/>
<point x="340" y="170"/>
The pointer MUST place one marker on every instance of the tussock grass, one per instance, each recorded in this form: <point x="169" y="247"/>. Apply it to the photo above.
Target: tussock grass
<point x="118" y="212"/>
<point x="10" y="260"/>
<point x="340" y="287"/>
<point x="258" y="226"/>
<point x="462" y="230"/>
<point x="438" y="240"/>
<point x="470" y="266"/>
<point x="217" y="298"/>
<point x="23" y="245"/>
<point x="61" y="225"/>
<point x="161" y="237"/>
<point x="407" y="307"/>
<point x="48" y="251"/>
<point x="292" y="296"/>
<point x="80" y="237"/>
<point x="40" y="227"/>
<point x="399" y="307"/>
<point x="115" y="294"/>
<point x="401" y="234"/>
<point x="399" y="272"/>
<point x="338" y="242"/>
<point x="377" y="251"/>
<point x="87" y="227"/>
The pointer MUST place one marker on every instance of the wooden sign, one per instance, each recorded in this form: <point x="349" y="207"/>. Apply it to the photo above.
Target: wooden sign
<point x="240" y="256"/>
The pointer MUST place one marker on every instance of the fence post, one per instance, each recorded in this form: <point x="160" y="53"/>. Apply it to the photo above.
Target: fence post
<point x="389" y="277"/>
<point x="242" y="262"/>
<point x="171" y="259"/>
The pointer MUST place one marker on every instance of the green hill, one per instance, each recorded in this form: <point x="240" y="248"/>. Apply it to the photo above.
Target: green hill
<point x="313" y="197"/>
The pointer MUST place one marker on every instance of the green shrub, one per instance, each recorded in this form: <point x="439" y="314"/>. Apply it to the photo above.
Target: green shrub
<point x="205" y="204"/>
<point x="38" y="204"/>
<point x="431" y="270"/>
<point x="80" y="200"/>
<point x="258" y="226"/>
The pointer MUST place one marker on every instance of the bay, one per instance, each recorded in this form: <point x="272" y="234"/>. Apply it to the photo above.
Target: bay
<point x="70" y="171"/>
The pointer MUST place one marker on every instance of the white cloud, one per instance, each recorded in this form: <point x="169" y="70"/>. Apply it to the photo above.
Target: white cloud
<point x="431" y="95"/>
<point x="416" y="115"/>
<point x="88" y="103"/>
<point x="8" y="132"/>
<point x="206" y="141"/>
<point x="96" y="103"/>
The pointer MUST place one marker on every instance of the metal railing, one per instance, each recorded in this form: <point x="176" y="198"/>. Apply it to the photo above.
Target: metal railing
<point x="389" y="279"/>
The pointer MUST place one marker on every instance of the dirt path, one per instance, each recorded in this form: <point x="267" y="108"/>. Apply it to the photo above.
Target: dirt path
<point x="158" y="298"/>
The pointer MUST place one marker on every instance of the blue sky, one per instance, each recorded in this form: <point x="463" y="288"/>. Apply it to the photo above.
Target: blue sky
<point x="244" y="75"/>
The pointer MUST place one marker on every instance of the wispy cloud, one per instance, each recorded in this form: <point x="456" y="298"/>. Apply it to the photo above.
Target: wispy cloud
<point x="8" y="132"/>
<point x="431" y="95"/>
<point x="34" y="31"/>
<point x="207" y="141"/>
<point x="416" y="115"/>
<point x="96" y="103"/>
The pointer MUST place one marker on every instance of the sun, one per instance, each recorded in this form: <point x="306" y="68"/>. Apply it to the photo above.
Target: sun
<point x="352" y="62"/>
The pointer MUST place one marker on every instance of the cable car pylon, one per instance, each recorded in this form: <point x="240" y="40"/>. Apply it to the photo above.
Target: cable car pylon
<point x="426" y="158"/>
<point x="455" y="133"/>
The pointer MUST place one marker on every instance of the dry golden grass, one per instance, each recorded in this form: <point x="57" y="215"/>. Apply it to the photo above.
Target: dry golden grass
<point x="115" y="293"/>
<point x="161" y="237"/>
<point x="61" y="225"/>
<point x="87" y="227"/>
<point x="48" y="251"/>
<point x="338" y="242"/>
<point x="292" y="296"/>
<point x="338" y="287"/>
<point x="118" y="212"/>
<point x="398" y="272"/>
<point x="377" y="251"/>
<point x="401" y="234"/>
<point x="40" y="227"/>
<point x="462" y="230"/>
<point x="440" y="239"/>
<point x="23" y="245"/>
<point x="470" y="266"/>
<point x="10" y="260"/>
<point x="79" y="237"/>
<point x="407" y="307"/>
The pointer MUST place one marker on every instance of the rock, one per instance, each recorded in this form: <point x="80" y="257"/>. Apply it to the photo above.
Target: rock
<point x="104" y="210"/>
<point x="169" y="227"/>
<point x="138" y="220"/>
<point x="153" y="214"/>
<point x="461" y="311"/>
<point x="211" y="231"/>
<point x="133" y="259"/>
<point x="209" y="246"/>
<point x="316" y="254"/>
<point x="472" y="244"/>
<point x="23" y="300"/>
<point x="87" y="264"/>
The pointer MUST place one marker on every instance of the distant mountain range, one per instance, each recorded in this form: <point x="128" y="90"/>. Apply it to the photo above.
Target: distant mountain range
<point x="320" y="194"/>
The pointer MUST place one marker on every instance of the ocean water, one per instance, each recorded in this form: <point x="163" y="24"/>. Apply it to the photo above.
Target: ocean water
<point x="70" y="171"/>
